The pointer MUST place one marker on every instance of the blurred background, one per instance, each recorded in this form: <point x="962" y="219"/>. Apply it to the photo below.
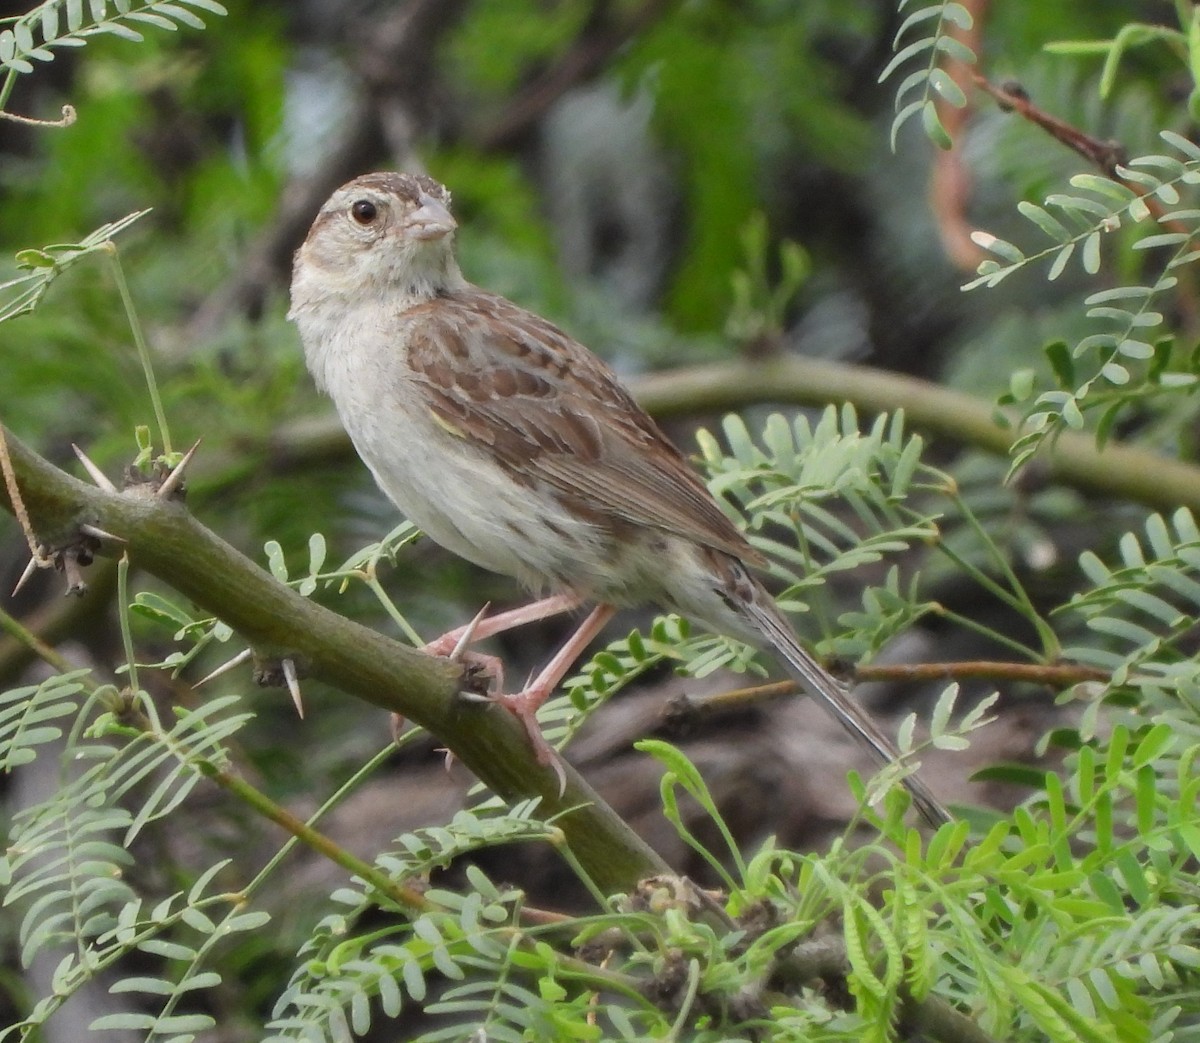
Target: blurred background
<point x="610" y="162"/>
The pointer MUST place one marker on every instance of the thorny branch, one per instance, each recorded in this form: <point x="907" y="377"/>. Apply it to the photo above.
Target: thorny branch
<point x="168" y="542"/>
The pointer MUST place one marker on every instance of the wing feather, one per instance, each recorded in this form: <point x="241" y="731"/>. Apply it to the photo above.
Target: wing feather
<point x="557" y="416"/>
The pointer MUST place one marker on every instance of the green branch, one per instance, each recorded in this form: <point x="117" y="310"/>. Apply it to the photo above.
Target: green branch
<point x="1122" y="472"/>
<point x="1119" y="471"/>
<point x="164" y="539"/>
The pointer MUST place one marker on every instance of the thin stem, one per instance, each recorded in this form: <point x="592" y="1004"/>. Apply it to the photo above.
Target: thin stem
<point x="580" y="870"/>
<point x="1020" y="648"/>
<point x="35" y="644"/>
<point x="818" y="605"/>
<point x="126" y="634"/>
<point x="1021" y="600"/>
<point x="626" y="984"/>
<point x="407" y="897"/>
<point x="372" y="581"/>
<point x="68" y="117"/>
<point x="689" y="999"/>
<point x="338" y="795"/>
<point x="997" y="590"/>
<point x="1015" y="599"/>
<point x="6" y="89"/>
<point x="143" y="351"/>
<point x="1055" y="675"/>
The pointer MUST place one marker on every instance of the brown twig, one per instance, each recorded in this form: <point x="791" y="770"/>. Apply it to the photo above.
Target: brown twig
<point x="1011" y="97"/>
<point x="68" y="117"/>
<point x="1107" y="156"/>
<point x="1057" y="676"/>
<point x="949" y="178"/>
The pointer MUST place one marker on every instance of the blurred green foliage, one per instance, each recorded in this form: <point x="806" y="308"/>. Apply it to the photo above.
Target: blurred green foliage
<point x="791" y="227"/>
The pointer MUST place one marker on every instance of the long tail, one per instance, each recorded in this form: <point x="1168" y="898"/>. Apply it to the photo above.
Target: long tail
<point x="817" y="682"/>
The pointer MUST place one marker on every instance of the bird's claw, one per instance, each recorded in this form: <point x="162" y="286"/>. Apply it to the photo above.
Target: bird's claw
<point x="524" y="706"/>
<point x="483" y="682"/>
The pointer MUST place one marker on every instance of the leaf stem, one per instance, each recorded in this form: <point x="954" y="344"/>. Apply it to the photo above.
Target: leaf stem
<point x="139" y="341"/>
<point x="407" y="897"/>
<point x="1016" y="598"/>
<point x="126" y="634"/>
<point x="47" y="653"/>
<point x="968" y="623"/>
<point x="372" y="581"/>
<point x="6" y="89"/>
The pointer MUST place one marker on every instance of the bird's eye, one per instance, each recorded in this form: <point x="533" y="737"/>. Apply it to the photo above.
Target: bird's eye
<point x="364" y="211"/>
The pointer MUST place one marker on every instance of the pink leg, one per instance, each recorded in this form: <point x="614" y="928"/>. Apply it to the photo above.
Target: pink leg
<point x="489" y="626"/>
<point x="524" y="705"/>
<point x="453" y="643"/>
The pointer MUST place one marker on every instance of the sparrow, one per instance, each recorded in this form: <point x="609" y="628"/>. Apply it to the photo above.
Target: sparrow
<point x="509" y="443"/>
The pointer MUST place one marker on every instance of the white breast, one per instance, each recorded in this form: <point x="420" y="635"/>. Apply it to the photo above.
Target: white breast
<point x="450" y="489"/>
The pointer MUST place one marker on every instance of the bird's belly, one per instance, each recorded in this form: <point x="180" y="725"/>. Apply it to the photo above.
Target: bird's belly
<point x="463" y="501"/>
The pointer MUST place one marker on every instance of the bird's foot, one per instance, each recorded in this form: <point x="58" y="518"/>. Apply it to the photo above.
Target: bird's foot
<point x="524" y="707"/>
<point x="483" y="674"/>
<point x="483" y="681"/>
<point x="482" y="678"/>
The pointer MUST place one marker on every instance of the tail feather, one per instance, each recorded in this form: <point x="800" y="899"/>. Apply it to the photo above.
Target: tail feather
<point x="818" y="683"/>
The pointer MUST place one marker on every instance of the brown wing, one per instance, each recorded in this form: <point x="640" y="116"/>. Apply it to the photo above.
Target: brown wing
<point x="556" y="416"/>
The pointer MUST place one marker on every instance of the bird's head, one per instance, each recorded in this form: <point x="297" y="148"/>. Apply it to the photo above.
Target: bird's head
<point x="380" y="234"/>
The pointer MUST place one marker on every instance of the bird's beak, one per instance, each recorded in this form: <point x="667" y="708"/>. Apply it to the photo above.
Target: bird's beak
<point x="431" y="220"/>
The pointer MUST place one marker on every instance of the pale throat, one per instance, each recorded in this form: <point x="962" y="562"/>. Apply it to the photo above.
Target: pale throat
<point x="423" y="284"/>
<point x="337" y="308"/>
